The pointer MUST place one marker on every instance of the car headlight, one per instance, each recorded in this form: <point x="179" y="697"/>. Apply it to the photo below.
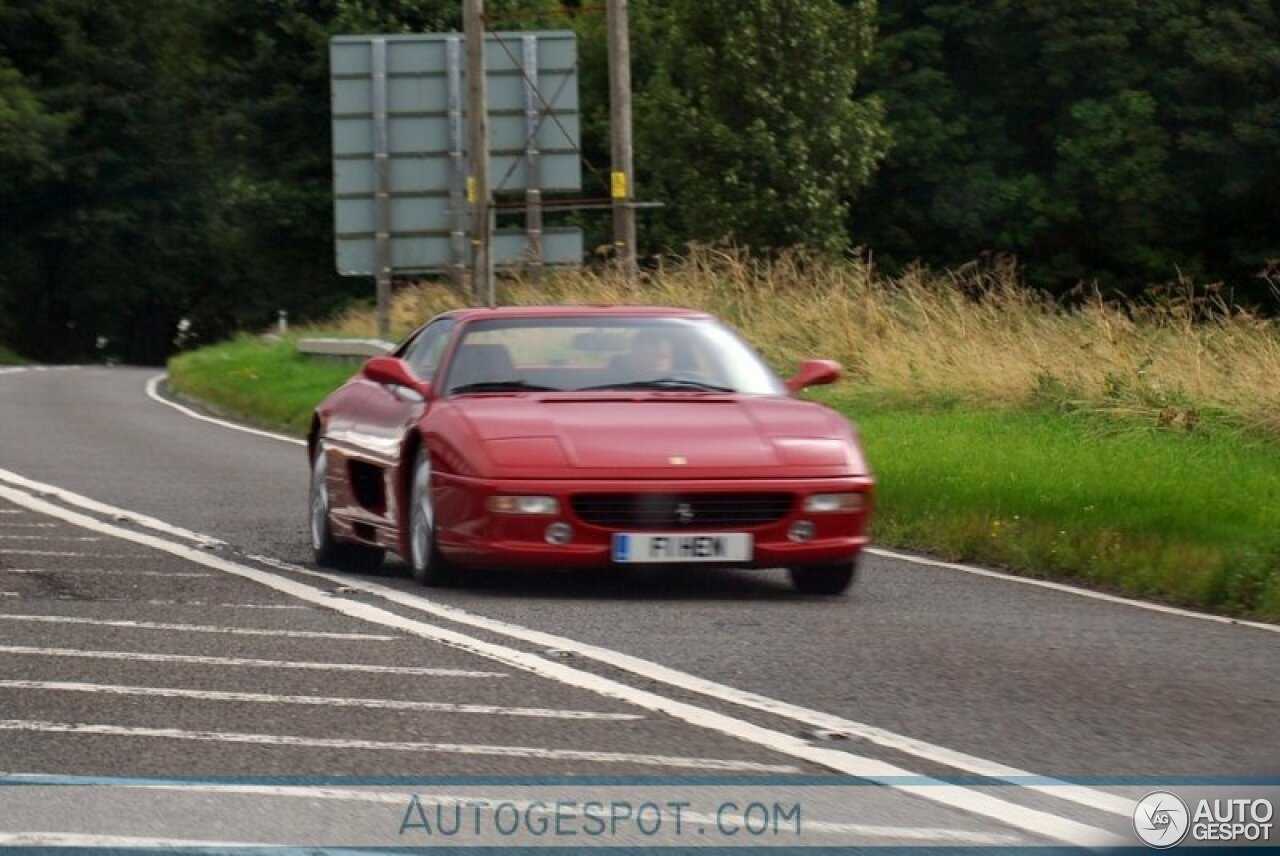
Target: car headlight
<point x="523" y="505"/>
<point x="824" y="502"/>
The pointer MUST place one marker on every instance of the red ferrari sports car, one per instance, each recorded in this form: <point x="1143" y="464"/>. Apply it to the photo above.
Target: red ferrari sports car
<point x="585" y="437"/>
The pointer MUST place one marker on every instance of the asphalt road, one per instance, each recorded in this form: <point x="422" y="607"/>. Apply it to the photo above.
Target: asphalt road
<point x="923" y="670"/>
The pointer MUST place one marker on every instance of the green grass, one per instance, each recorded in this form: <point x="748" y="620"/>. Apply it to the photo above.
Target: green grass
<point x="267" y="383"/>
<point x="11" y="358"/>
<point x="1185" y="517"/>
<point x="1181" y="517"/>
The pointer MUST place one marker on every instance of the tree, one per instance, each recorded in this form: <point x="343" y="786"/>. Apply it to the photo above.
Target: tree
<point x="748" y="124"/>
<point x="28" y="136"/>
<point x="27" y="131"/>
<point x="1115" y="141"/>
<point x="95" y="241"/>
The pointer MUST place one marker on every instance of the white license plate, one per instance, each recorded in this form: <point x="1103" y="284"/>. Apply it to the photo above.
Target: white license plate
<point x="663" y="547"/>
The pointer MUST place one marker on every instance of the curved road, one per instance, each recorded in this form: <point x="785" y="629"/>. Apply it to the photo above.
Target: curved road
<point x="985" y="672"/>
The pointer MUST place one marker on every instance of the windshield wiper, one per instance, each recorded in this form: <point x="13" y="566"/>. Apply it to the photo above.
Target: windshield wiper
<point x="676" y="383"/>
<point x="502" y="386"/>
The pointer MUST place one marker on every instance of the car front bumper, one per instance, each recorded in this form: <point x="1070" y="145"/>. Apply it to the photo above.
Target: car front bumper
<point x="469" y="533"/>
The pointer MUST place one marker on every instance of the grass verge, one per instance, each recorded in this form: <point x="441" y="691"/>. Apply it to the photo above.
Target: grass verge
<point x="1182" y="518"/>
<point x="9" y="357"/>
<point x="267" y="383"/>
<point x="1178" y="516"/>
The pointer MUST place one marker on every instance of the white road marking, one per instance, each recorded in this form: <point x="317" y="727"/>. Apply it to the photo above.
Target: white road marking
<point x="197" y="628"/>
<point x="119" y="514"/>
<point x="890" y="775"/>
<point x="155" y="602"/>
<point x="104" y="572"/>
<point x="322" y="701"/>
<point x="46" y="538"/>
<point x="27" y="525"/>
<point x="1079" y="794"/>
<point x="12" y="370"/>
<point x="66" y="554"/>
<point x="918" y="748"/>
<point x="113" y="842"/>
<point x="152" y="393"/>
<point x="643" y="760"/>
<point x="10" y="594"/>
<point x="202" y="603"/>
<point x="1068" y="589"/>
<point x="875" y="551"/>
<point x="11" y="511"/>
<point x="423" y="671"/>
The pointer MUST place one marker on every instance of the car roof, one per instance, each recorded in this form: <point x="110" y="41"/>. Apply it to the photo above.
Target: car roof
<point x="474" y="313"/>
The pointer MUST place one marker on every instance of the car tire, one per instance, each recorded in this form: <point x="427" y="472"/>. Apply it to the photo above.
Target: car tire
<point x="825" y="579"/>
<point x="426" y="564"/>
<point x="330" y="552"/>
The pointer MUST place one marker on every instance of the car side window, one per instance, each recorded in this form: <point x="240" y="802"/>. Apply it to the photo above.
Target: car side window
<point x="424" y="352"/>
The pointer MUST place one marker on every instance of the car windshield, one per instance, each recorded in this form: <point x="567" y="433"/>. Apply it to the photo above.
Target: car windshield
<point x="686" y="355"/>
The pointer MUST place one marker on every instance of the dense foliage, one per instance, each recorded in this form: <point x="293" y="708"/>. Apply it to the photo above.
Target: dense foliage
<point x="748" y="124"/>
<point x="1115" y="140"/>
<point x="169" y="160"/>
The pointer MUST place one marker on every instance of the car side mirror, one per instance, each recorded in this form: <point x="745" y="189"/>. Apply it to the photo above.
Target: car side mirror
<point x="394" y="372"/>
<point x="813" y="373"/>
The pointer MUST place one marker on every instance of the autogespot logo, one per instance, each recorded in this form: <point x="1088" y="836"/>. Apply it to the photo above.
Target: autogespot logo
<point x="1161" y="819"/>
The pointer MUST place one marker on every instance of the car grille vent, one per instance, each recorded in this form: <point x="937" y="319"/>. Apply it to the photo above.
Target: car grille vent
<point x="667" y="511"/>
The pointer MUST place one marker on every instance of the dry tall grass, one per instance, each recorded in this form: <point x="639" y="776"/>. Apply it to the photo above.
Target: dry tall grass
<point x="976" y="334"/>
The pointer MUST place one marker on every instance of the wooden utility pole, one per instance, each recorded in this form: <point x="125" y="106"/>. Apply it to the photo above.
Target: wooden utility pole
<point x="381" y="187"/>
<point x="478" y="147"/>
<point x="622" y="189"/>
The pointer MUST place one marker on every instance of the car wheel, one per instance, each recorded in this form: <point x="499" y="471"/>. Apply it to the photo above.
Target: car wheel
<point x="428" y="566"/>
<point x="825" y="579"/>
<point x="329" y="552"/>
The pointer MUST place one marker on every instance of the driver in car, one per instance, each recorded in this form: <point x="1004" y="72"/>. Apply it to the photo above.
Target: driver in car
<point x="652" y="356"/>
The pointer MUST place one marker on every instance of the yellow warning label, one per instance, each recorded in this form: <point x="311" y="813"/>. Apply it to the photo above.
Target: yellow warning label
<point x="619" y="185"/>
<point x="471" y="189"/>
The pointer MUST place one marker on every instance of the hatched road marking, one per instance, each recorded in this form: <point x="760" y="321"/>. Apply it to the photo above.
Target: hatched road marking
<point x="889" y="775"/>
<point x="198" y="628"/>
<point x="431" y="747"/>
<point x="1078" y="794"/>
<point x="112" y="842"/>
<point x="65" y="554"/>
<point x="330" y="701"/>
<point x="248" y="662"/>
<point x="90" y="571"/>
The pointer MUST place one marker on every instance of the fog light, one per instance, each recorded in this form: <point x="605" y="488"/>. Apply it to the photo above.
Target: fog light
<point x="801" y="530"/>
<point x="523" y="504"/>
<point x="821" y="502"/>
<point x="559" y="533"/>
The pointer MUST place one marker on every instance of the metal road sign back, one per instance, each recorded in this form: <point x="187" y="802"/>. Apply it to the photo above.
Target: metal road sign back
<point x="400" y="148"/>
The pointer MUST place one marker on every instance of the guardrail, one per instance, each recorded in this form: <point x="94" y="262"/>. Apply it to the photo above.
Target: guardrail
<point x="345" y="347"/>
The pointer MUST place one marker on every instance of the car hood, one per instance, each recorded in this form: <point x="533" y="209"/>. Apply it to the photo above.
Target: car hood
<point x="663" y="435"/>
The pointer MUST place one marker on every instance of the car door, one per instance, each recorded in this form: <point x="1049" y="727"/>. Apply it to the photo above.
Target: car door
<point x="387" y="412"/>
